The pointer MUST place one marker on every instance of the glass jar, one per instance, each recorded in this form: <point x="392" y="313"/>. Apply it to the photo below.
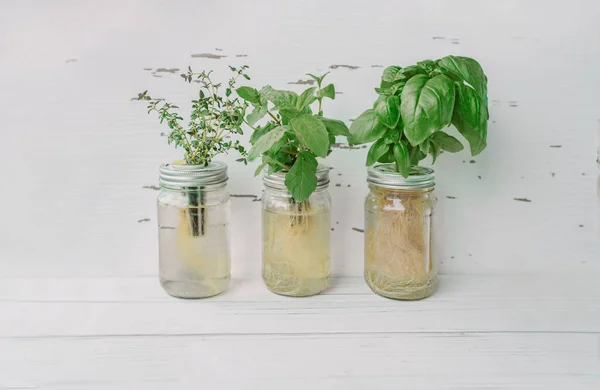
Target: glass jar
<point x="193" y="230"/>
<point x="295" y="251"/>
<point x="399" y="261"/>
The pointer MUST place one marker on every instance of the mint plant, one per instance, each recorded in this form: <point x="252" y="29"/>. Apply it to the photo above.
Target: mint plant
<point x="416" y="103"/>
<point x="294" y="136"/>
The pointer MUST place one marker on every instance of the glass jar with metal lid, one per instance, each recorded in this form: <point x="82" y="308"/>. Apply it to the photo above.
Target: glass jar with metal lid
<point x="193" y="230"/>
<point x="399" y="261"/>
<point x="295" y="250"/>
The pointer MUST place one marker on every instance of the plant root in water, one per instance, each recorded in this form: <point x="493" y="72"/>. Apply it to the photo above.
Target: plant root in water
<point x="398" y="258"/>
<point x="296" y="251"/>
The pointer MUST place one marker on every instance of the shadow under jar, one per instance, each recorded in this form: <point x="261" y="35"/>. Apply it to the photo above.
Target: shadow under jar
<point x="399" y="261"/>
<point x="295" y="250"/>
<point x="193" y="230"/>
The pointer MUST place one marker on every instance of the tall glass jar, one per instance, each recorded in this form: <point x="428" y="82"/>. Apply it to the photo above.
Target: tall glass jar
<point x="193" y="230"/>
<point x="399" y="261"/>
<point x="295" y="254"/>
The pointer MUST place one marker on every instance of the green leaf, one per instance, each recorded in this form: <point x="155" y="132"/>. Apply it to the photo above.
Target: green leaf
<point x="411" y="71"/>
<point x="280" y="98"/>
<point x="301" y="179"/>
<point x="388" y="111"/>
<point x="402" y="158"/>
<point x="389" y="73"/>
<point x="249" y="94"/>
<point x="366" y="128"/>
<point x="257" y="114"/>
<point x="259" y="169"/>
<point x="306" y="98"/>
<point x="426" y="106"/>
<point x="378" y="149"/>
<point x="311" y="133"/>
<point x="426" y="65"/>
<point x="416" y="155"/>
<point x="260" y="131"/>
<point x="318" y="79"/>
<point x="289" y="113"/>
<point x="470" y="118"/>
<point x="335" y="127"/>
<point x="446" y="142"/>
<point x="265" y="142"/>
<point x="435" y="152"/>
<point x="388" y="157"/>
<point x="391" y="136"/>
<point x="467" y="69"/>
<point x="328" y="91"/>
<point x="424" y="147"/>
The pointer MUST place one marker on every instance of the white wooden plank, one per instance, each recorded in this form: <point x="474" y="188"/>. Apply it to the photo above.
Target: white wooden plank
<point x="50" y="308"/>
<point x="421" y="361"/>
<point x="77" y="162"/>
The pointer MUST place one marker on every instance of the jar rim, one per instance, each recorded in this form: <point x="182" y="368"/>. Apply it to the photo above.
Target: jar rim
<point x="385" y="175"/>
<point x="277" y="179"/>
<point x="176" y="176"/>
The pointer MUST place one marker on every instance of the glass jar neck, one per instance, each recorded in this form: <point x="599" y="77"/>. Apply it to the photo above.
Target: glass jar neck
<point x="209" y="177"/>
<point x="420" y="179"/>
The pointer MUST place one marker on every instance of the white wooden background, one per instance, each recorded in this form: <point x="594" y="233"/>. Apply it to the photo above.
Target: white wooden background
<point x="80" y="305"/>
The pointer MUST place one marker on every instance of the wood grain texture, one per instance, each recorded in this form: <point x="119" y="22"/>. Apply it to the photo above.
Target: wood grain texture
<point x="122" y="307"/>
<point x="423" y="361"/>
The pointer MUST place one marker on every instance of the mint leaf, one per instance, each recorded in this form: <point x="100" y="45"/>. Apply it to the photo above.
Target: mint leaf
<point x="402" y="158"/>
<point x="335" y="127"/>
<point x="257" y="114"/>
<point x="306" y="98"/>
<point x="446" y="142"/>
<point x="328" y="91"/>
<point x="265" y="142"/>
<point x="311" y="133"/>
<point x="388" y="111"/>
<point x="366" y="128"/>
<point x="377" y="150"/>
<point x="470" y="117"/>
<point x="426" y="107"/>
<point x="249" y="94"/>
<point x="301" y="179"/>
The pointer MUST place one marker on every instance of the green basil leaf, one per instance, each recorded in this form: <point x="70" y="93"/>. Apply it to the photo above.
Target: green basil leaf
<point x="391" y="136"/>
<point x="366" y="128"/>
<point x="416" y="155"/>
<point x="467" y="69"/>
<point x="426" y="107"/>
<point x="388" y="156"/>
<point x="378" y="149"/>
<point x="265" y="142"/>
<point x="388" y="111"/>
<point x="312" y="133"/>
<point x="411" y="71"/>
<point x="402" y="158"/>
<point x="306" y="98"/>
<point x="426" y="65"/>
<point x="424" y="147"/>
<point x="328" y="91"/>
<point x="435" y="152"/>
<point x="249" y="94"/>
<point x="389" y="73"/>
<point x="470" y="117"/>
<point x="301" y="179"/>
<point x="446" y="142"/>
<point x="335" y="127"/>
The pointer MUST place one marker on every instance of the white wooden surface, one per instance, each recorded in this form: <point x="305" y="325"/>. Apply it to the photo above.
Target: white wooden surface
<point x="80" y="305"/>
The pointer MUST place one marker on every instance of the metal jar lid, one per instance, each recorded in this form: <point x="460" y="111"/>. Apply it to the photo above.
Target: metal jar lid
<point x="385" y="175"/>
<point x="174" y="176"/>
<point x="277" y="180"/>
